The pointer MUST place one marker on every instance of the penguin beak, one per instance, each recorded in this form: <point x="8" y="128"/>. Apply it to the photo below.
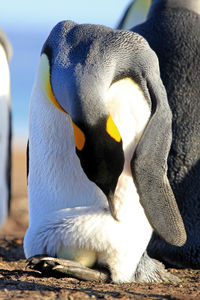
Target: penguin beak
<point x="110" y="198"/>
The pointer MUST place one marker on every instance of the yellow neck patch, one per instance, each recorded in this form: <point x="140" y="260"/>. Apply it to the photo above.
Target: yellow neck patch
<point x="112" y="129"/>
<point x="44" y="71"/>
<point x="136" y="13"/>
<point x="79" y="137"/>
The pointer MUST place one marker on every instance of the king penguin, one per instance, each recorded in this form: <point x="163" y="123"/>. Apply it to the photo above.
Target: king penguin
<point x="5" y="127"/>
<point x="172" y="29"/>
<point x="99" y="137"/>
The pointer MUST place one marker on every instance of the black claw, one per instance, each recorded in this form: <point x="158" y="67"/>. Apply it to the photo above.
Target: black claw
<point x="35" y="262"/>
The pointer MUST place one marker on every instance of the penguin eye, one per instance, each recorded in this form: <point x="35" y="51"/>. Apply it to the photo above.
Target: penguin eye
<point x="44" y="71"/>
<point x="112" y="129"/>
<point x="79" y="137"/>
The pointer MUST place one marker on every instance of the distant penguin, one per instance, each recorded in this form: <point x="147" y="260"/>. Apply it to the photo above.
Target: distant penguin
<point x="173" y="32"/>
<point x="5" y="128"/>
<point x="99" y="137"/>
<point x="135" y="14"/>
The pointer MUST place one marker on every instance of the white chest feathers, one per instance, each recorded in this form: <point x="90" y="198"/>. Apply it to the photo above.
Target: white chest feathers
<point x="4" y="132"/>
<point x="130" y="112"/>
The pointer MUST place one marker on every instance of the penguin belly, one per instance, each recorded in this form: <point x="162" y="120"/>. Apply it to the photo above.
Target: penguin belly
<point x="4" y="133"/>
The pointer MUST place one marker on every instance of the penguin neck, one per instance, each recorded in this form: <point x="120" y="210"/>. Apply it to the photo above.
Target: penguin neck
<point x="130" y="112"/>
<point x="191" y="5"/>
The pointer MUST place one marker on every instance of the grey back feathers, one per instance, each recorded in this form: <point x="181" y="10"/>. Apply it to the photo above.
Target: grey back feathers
<point x="92" y="58"/>
<point x="173" y="32"/>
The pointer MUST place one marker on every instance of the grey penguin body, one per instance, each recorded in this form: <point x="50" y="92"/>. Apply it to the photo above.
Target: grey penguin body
<point x="172" y="29"/>
<point x="5" y="128"/>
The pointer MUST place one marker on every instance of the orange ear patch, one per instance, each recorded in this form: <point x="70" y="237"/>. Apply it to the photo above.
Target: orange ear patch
<point x="112" y="129"/>
<point x="45" y="81"/>
<point x="79" y="137"/>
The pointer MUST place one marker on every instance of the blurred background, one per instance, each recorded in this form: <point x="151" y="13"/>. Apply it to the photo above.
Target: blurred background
<point x="27" y="25"/>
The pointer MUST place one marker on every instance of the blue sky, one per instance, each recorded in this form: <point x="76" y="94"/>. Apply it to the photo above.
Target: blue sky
<point x="49" y="12"/>
<point x="27" y="24"/>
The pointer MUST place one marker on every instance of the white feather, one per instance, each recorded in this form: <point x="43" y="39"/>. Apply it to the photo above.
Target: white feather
<point x="4" y="132"/>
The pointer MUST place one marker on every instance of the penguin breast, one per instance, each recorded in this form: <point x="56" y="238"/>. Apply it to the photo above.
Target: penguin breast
<point x="130" y="112"/>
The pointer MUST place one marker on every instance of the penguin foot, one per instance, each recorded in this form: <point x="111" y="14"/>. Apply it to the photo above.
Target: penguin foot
<point x="59" y="266"/>
<point x="151" y="270"/>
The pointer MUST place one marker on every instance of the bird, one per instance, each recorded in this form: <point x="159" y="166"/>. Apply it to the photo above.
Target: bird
<point x="5" y="127"/>
<point x="172" y="29"/>
<point x="99" y="137"/>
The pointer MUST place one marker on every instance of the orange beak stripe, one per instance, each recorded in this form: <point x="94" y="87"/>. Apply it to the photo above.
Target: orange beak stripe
<point x="79" y="137"/>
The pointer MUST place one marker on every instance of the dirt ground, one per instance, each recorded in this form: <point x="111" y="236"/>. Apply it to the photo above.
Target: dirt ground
<point x="19" y="282"/>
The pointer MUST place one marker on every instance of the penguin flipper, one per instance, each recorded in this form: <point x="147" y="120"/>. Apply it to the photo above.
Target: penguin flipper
<point x="64" y="267"/>
<point x="149" y="169"/>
